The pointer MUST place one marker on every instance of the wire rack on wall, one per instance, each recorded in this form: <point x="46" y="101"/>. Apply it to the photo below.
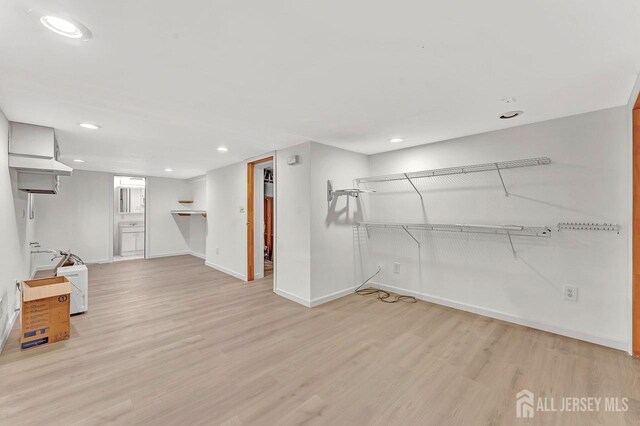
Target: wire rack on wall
<point x="472" y="168"/>
<point x="508" y="230"/>
<point x="588" y="226"/>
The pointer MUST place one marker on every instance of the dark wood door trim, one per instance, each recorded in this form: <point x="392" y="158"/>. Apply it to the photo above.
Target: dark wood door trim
<point x="251" y="215"/>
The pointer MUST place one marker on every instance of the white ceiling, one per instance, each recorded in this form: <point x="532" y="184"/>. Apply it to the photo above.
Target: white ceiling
<point x="170" y="81"/>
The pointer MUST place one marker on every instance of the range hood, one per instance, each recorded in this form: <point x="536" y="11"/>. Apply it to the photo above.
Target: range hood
<point x="34" y="149"/>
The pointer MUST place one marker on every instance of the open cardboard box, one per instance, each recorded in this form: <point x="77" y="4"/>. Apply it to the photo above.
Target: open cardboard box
<point x="45" y="314"/>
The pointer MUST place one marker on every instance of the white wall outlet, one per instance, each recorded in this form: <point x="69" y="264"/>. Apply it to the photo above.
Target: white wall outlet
<point x="570" y="293"/>
<point x="396" y="267"/>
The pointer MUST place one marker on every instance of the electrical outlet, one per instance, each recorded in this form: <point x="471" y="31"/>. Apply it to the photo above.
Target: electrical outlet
<point x="396" y="267"/>
<point x="570" y="293"/>
<point x="379" y="266"/>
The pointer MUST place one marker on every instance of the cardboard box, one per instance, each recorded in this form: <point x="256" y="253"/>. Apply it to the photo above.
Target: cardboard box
<point x="45" y="315"/>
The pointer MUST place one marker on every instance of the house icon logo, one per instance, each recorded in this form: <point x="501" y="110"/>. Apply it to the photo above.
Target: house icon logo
<point x="524" y="404"/>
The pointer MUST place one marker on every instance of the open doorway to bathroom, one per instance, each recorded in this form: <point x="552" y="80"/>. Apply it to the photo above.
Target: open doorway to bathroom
<point x="129" y="203"/>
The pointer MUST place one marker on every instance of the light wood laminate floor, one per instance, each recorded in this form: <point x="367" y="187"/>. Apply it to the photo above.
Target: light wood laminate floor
<point x="171" y="341"/>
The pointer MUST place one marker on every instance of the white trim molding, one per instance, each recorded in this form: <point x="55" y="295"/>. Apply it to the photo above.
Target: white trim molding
<point x="7" y="330"/>
<point x="592" y="338"/>
<point x="293" y="297"/>
<point x="333" y="296"/>
<point x="198" y="255"/>
<point x="227" y="271"/>
<point x="176" y="253"/>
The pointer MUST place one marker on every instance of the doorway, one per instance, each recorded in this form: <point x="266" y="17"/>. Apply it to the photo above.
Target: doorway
<point x="260" y="218"/>
<point x="129" y="208"/>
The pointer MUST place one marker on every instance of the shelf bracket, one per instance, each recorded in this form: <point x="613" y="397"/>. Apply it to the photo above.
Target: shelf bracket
<point x="506" y="193"/>
<point x="411" y="235"/>
<point x="513" y="249"/>
<point x="414" y="187"/>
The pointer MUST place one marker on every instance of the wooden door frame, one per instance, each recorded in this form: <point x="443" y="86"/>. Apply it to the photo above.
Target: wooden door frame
<point x="251" y="215"/>
<point x="635" y="237"/>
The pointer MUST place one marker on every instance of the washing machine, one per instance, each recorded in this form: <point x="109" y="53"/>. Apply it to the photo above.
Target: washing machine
<point x="78" y="275"/>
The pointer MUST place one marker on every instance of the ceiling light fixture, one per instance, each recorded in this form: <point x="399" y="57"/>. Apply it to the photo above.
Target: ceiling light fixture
<point x="223" y="149"/>
<point x="168" y="170"/>
<point x="77" y="160"/>
<point x="89" y="126"/>
<point x="395" y="140"/>
<point x="510" y="114"/>
<point x="61" y="25"/>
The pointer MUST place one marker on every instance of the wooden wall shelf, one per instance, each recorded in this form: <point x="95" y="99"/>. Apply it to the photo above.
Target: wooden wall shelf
<point x="185" y="201"/>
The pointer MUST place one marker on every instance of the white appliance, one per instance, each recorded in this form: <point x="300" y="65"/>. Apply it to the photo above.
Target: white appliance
<point x="79" y="277"/>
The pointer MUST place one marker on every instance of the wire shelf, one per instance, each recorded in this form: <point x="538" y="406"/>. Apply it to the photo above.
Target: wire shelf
<point x="527" y="231"/>
<point x="473" y="168"/>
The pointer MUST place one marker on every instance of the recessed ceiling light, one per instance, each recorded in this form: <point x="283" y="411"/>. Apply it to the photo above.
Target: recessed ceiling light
<point x="89" y="126"/>
<point x="77" y="160"/>
<point x="168" y="170"/>
<point x="510" y="114"/>
<point x="395" y="140"/>
<point x="223" y="149"/>
<point x="61" y="25"/>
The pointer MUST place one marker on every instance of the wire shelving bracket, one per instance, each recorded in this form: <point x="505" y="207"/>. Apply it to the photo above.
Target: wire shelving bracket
<point x="473" y="168"/>
<point x="351" y="192"/>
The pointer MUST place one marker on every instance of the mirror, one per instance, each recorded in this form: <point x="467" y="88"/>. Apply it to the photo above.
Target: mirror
<point x="130" y="200"/>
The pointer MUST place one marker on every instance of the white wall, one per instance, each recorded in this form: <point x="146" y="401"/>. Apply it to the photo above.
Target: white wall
<point x="333" y="272"/>
<point x="198" y="223"/>
<point x="226" y="241"/>
<point x="168" y="233"/>
<point x="75" y="219"/>
<point x="16" y="231"/>
<point x="588" y="180"/>
<point x="293" y="224"/>
<point x="78" y="217"/>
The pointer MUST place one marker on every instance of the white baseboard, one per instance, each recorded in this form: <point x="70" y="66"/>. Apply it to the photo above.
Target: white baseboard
<point x="333" y="296"/>
<point x="171" y="254"/>
<point x="599" y="340"/>
<point x="227" y="271"/>
<point x="7" y="330"/>
<point x="293" y="297"/>
<point x="198" y="255"/>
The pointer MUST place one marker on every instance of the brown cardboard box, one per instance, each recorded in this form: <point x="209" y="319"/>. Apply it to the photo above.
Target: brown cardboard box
<point x="45" y="314"/>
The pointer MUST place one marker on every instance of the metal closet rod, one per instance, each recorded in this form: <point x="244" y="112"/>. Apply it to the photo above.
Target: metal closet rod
<point x="527" y="231"/>
<point x="473" y="168"/>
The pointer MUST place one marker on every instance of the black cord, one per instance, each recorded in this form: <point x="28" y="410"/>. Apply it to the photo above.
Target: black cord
<point x="382" y="294"/>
